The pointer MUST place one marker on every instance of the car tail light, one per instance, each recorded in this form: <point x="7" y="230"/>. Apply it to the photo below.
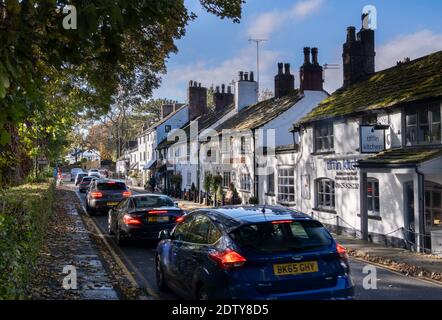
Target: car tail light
<point x="179" y="219"/>
<point x="228" y="259"/>
<point x="131" y="221"/>
<point x="282" y="222"/>
<point x="157" y="212"/>
<point x="96" y="195"/>
<point x="342" y="252"/>
<point x="127" y="194"/>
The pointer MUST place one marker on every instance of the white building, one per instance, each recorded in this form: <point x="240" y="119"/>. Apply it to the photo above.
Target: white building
<point x="370" y="156"/>
<point x="249" y="140"/>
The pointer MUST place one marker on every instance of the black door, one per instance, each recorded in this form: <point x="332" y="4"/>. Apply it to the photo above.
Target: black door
<point x="409" y="213"/>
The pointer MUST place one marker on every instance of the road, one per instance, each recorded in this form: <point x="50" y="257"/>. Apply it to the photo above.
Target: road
<point x="139" y="259"/>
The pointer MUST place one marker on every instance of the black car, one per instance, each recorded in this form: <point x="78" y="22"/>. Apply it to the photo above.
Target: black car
<point x="143" y="217"/>
<point x="85" y="183"/>
<point x="104" y="194"/>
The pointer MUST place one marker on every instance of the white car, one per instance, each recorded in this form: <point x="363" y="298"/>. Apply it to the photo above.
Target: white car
<point x="74" y="173"/>
<point x="94" y="173"/>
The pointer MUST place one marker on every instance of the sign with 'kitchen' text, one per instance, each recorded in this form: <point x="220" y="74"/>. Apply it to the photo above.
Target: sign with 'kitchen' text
<point x="372" y="140"/>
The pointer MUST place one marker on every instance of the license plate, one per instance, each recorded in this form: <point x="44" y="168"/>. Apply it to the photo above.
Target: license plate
<point x="291" y="269"/>
<point x="158" y="219"/>
<point x="112" y="204"/>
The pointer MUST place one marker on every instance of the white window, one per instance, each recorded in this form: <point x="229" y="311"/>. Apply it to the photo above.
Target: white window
<point x="189" y="178"/>
<point x="324" y="137"/>
<point x="373" y="197"/>
<point x="325" y="194"/>
<point x="227" y="179"/>
<point x="286" y="185"/>
<point x="244" y="182"/>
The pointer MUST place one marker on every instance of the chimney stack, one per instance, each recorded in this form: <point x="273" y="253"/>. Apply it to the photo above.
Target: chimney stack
<point x="166" y="109"/>
<point x="358" y="55"/>
<point x="197" y="100"/>
<point x="311" y="74"/>
<point x="246" y="91"/>
<point x="284" y="81"/>
<point x="223" y="99"/>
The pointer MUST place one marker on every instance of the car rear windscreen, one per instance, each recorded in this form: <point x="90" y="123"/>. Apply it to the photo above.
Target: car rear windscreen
<point x="86" y="179"/>
<point x="153" y="202"/>
<point x="111" y="186"/>
<point x="296" y="236"/>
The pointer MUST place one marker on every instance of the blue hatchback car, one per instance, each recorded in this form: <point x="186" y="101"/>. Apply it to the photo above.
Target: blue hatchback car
<point x="252" y="253"/>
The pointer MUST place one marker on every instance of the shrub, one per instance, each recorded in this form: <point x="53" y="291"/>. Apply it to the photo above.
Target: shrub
<point x="254" y="201"/>
<point x="24" y="213"/>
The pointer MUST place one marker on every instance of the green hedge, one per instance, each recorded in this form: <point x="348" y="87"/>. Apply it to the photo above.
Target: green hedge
<point x="24" y="213"/>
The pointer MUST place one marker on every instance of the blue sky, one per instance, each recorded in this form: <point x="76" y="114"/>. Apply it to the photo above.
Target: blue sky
<point x="214" y="50"/>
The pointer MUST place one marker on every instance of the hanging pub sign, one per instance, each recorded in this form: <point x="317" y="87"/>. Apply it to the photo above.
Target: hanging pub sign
<point x="372" y="140"/>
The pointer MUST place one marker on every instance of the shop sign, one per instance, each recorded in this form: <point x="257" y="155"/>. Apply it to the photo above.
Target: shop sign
<point x="371" y="140"/>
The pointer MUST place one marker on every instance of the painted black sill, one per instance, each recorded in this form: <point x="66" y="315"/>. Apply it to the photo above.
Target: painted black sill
<point x="319" y="153"/>
<point x="270" y="194"/>
<point x="377" y="218"/>
<point x="325" y="210"/>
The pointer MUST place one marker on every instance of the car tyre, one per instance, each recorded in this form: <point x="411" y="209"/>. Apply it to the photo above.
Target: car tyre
<point x="159" y="273"/>
<point x="202" y="293"/>
<point x="119" y="238"/>
<point x="109" y="225"/>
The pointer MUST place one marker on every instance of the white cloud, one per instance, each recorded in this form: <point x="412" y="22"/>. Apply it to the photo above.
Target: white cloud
<point x="269" y="22"/>
<point x="413" y="46"/>
<point x="174" y="84"/>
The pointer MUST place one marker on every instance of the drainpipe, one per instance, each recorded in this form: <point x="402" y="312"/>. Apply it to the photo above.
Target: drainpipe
<point x="255" y="184"/>
<point x="418" y="185"/>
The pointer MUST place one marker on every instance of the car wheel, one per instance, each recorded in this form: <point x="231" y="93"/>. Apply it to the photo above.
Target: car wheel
<point x="119" y="238"/>
<point x="202" y="293"/>
<point x="109" y="224"/>
<point x="161" y="282"/>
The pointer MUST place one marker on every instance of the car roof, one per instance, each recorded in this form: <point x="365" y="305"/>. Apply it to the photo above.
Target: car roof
<point x="149" y="195"/>
<point x="233" y="217"/>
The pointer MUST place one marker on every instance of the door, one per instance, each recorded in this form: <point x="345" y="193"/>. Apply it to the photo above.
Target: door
<point x="194" y="253"/>
<point x="179" y="236"/>
<point x="409" y="213"/>
<point x="433" y="210"/>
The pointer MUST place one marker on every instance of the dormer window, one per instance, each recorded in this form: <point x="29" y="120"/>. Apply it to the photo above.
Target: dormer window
<point x="423" y="125"/>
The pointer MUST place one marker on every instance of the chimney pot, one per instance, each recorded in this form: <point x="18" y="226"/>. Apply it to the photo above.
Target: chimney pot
<point x="315" y="56"/>
<point x="223" y="88"/>
<point x="241" y="76"/>
<point x="246" y="76"/>
<point x="287" y="68"/>
<point x="229" y="89"/>
<point x="280" y="66"/>
<point x="351" y="34"/>
<point x="307" y="55"/>
<point x="252" y="76"/>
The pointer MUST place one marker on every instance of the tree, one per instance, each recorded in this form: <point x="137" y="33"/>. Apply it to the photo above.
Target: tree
<point x="119" y="46"/>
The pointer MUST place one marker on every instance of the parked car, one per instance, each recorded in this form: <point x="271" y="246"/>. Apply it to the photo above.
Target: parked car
<point x="79" y="177"/>
<point x="75" y="172"/>
<point x="104" y="194"/>
<point x="252" y="253"/>
<point x="143" y="217"/>
<point x="85" y="182"/>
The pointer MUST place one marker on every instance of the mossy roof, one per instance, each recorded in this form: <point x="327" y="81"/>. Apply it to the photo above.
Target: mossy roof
<point x="407" y="82"/>
<point x="259" y="114"/>
<point x="402" y="156"/>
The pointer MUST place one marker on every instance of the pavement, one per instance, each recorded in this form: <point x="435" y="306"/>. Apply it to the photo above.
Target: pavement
<point x="406" y="262"/>
<point x="70" y="266"/>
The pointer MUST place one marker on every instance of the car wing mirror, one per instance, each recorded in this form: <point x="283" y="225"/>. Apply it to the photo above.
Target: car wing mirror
<point x="164" y="235"/>
<point x="177" y="204"/>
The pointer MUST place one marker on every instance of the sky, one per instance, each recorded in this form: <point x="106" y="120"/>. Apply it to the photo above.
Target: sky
<point x="213" y="51"/>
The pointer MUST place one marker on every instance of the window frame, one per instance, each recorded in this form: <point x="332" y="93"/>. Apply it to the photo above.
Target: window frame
<point x="281" y="184"/>
<point x="321" y="195"/>
<point x="245" y="182"/>
<point x="330" y="136"/>
<point x="374" y="197"/>
<point x="229" y="179"/>
<point x="417" y="112"/>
